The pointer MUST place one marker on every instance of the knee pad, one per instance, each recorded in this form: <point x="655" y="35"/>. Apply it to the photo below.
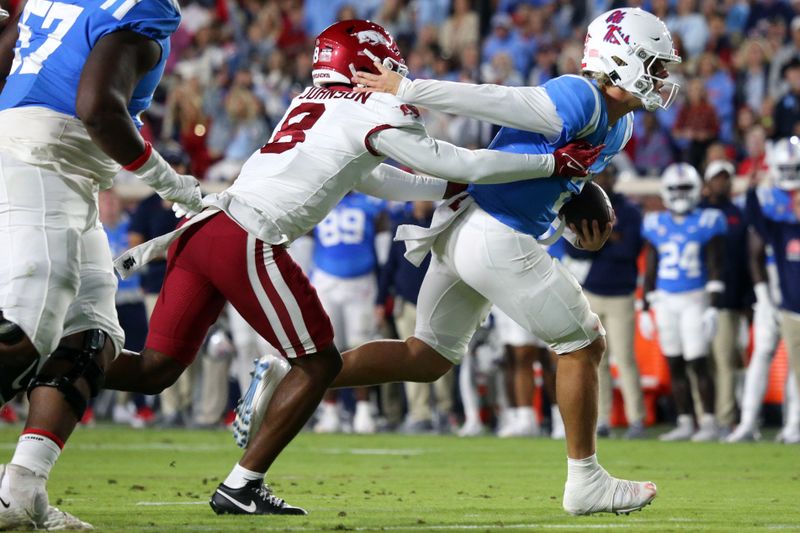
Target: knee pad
<point x="84" y="365"/>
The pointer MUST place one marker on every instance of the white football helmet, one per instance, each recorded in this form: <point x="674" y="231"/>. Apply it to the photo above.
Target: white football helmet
<point x="784" y="163"/>
<point x="681" y="187"/>
<point x="632" y="47"/>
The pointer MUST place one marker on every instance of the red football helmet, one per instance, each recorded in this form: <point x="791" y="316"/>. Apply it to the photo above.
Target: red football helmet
<point x="349" y="46"/>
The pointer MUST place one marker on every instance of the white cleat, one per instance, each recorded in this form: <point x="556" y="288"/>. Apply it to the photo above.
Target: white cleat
<point x="58" y="520"/>
<point x="608" y="495"/>
<point x="707" y="432"/>
<point x="363" y="421"/>
<point x="519" y="428"/>
<point x="558" y="432"/>
<point x="743" y="434"/>
<point x="328" y="421"/>
<point x="268" y="372"/>
<point x="23" y="498"/>
<point x="471" y="429"/>
<point x="683" y="431"/>
<point x="788" y="435"/>
<point x="3" y="14"/>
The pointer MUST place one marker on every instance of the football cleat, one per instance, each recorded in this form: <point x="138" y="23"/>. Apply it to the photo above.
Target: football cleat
<point x="608" y="495"/>
<point x="682" y="431"/>
<point x="471" y="428"/>
<point x="363" y="422"/>
<point x="743" y="433"/>
<point x="23" y="498"/>
<point x="58" y="520"/>
<point x="254" y="498"/>
<point x="328" y="421"/>
<point x="269" y="371"/>
<point x="708" y="431"/>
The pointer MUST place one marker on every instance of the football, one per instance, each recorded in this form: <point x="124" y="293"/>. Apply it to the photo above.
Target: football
<point x="591" y="204"/>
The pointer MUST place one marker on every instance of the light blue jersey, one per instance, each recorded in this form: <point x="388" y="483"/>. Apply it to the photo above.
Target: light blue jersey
<point x="531" y="206"/>
<point x="344" y="242"/>
<point x="128" y="289"/>
<point x="55" y="39"/>
<point x="681" y="246"/>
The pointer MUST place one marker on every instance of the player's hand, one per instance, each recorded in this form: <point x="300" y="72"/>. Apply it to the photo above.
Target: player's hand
<point x="183" y="211"/>
<point x="647" y="328"/>
<point x="3" y="14"/>
<point x="710" y="318"/>
<point x="574" y="159"/>
<point x="590" y="236"/>
<point x="185" y="193"/>
<point x="388" y="81"/>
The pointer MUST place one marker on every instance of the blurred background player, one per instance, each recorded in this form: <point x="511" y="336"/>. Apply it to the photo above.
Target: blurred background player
<point x="399" y="278"/>
<point x="737" y="295"/>
<point x="345" y="266"/>
<point x="784" y="238"/>
<point x="74" y="77"/>
<point x="683" y="284"/>
<point x="608" y="277"/>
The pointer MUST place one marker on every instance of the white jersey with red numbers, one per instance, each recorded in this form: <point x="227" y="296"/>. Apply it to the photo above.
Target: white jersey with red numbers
<point x="320" y="151"/>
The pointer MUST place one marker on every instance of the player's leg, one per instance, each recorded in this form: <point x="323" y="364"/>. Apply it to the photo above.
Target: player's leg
<point x="41" y="222"/>
<point x="271" y="292"/>
<point x="726" y="363"/>
<point x="790" y="327"/>
<point x="696" y="352"/>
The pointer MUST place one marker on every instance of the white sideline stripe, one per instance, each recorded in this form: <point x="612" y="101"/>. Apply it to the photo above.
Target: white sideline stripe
<point x="165" y="504"/>
<point x="373" y="451"/>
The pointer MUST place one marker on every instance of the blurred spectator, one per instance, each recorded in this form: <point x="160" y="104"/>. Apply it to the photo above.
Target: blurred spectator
<point x="319" y="14"/>
<point x="737" y="296"/>
<point x="789" y="51"/>
<point x="720" y="90"/>
<point x="652" y="148"/>
<point x="239" y="132"/>
<point x="186" y="121"/>
<point x="569" y="60"/>
<point x="460" y="30"/>
<point x="752" y="74"/>
<point x="719" y="42"/>
<point x="501" y="71"/>
<point x="544" y="66"/>
<point x="762" y="11"/>
<point x="501" y="39"/>
<point x="787" y="110"/>
<point x="396" y="17"/>
<point x="697" y="124"/>
<point x="430" y="12"/>
<point x="690" y="26"/>
<point x="755" y="151"/>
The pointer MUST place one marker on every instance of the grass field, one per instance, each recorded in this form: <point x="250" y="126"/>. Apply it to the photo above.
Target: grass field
<point x="153" y="480"/>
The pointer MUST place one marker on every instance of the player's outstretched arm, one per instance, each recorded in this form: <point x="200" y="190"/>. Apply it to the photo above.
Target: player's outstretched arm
<point x="524" y="108"/>
<point x="391" y="183"/>
<point x="112" y="71"/>
<point x="414" y="148"/>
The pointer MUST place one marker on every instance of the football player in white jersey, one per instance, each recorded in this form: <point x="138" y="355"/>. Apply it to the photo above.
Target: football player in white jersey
<point x="331" y="140"/>
<point x="683" y="283"/>
<point x="484" y="243"/>
<point x="74" y="78"/>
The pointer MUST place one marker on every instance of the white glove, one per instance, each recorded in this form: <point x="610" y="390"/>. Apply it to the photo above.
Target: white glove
<point x="183" y="211"/>
<point x="710" y="318"/>
<point x="3" y="14"/>
<point x="169" y="185"/>
<point x="764" y="311"/>
<point x="647" y="328"/>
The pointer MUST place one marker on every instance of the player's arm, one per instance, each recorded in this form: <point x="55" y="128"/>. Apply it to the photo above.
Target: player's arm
<point x="112" y="71"/>
<point x="757" y="257"/>
<point x="8" y="38"/>
<point x="650" y="272"/>
<point x="525" y="108"/>
<point x="391" y="183"/>
<point x="414" y="148"/>
<point x="715" y="257"/>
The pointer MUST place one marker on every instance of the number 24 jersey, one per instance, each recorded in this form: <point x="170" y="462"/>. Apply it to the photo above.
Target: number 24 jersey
<point x="680" y="242"/>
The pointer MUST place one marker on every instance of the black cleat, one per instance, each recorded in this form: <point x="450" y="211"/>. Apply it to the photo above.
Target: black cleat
<point x="254" y="498"/>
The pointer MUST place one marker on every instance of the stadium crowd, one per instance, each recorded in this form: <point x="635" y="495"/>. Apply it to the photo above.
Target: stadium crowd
<point x="236" y="64"/>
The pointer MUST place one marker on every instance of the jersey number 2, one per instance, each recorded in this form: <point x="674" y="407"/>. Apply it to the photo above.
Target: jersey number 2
<point x="293" y="130"/>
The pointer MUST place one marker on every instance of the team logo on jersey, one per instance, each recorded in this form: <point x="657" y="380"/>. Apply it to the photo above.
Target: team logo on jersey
<point x="409" y="110"/>
<point x="372" y="37"/>
<point x="793" y="250"/>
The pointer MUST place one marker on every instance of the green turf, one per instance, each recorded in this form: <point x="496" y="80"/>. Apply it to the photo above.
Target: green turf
<point x="153" y="480"/>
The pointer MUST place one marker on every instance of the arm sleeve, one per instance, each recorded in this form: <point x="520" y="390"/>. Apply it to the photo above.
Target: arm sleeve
<point x="391" y="183"/>
<point x="414" y="148"/>
<point x="524" y="108"/>
<point x="155" y="19"/>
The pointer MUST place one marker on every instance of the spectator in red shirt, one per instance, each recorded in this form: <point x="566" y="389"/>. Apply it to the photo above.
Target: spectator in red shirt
<point x="697" y="124"/>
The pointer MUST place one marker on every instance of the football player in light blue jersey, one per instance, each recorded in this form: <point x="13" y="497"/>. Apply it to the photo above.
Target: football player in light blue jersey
<point x="485" y="247"/>
<point x="74" y="76"/>
<point x="683" y="282"/>
<point x="345" y="264"/>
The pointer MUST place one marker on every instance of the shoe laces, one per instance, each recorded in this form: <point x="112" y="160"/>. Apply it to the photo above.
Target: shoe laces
<point x="624" y="492"/>
<point x="265" y="493"/>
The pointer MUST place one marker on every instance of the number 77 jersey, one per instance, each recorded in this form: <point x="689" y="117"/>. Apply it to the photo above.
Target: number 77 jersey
<point x="680" y="243"/>
<point x="56" y="38"/>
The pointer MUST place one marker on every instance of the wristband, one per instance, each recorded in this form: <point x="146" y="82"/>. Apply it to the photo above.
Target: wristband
<point x="715" y="286"/>
<point x="139" y="162"/>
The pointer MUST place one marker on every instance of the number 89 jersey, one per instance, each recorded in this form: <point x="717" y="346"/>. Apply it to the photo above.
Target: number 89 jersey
<point x="680" y="243"/>
<point x="55" y="39"/>
<point x="344" y="242"/>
